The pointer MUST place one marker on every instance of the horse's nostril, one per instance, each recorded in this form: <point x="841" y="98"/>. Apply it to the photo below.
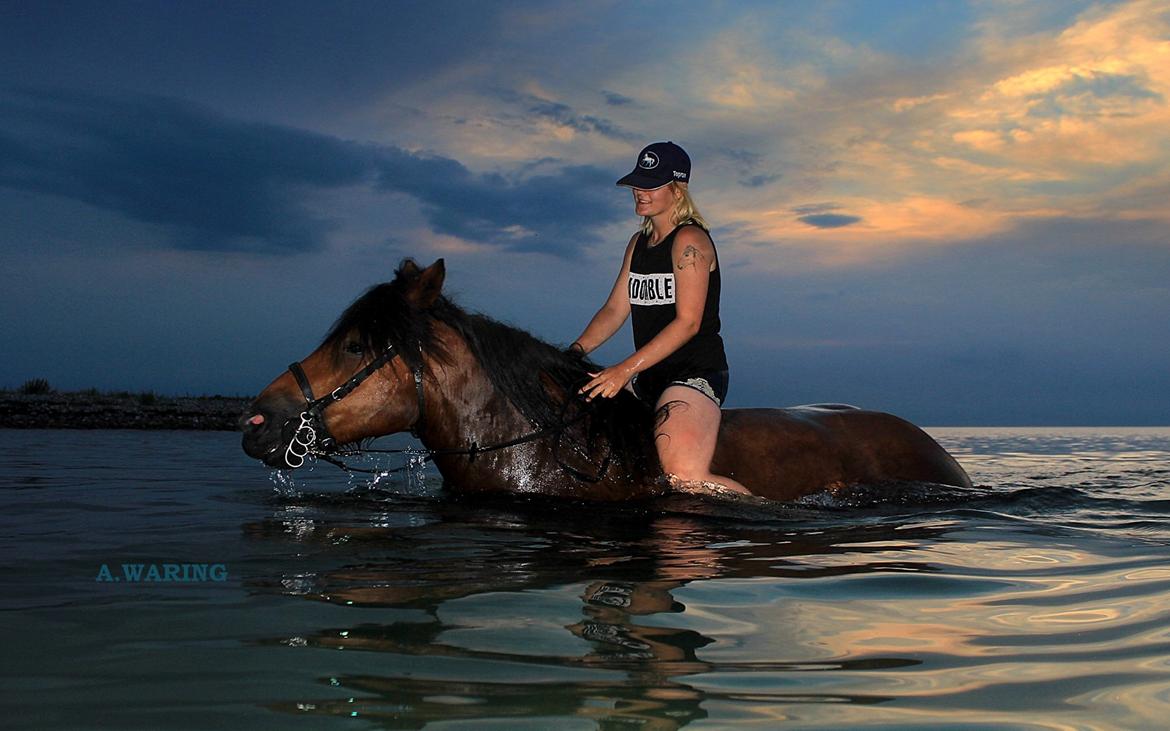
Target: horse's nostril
<point x="250" y="424"/>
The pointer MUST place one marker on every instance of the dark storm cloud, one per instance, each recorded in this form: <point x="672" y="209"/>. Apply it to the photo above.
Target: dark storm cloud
<point x="212" y="182"/>
<point x="294" y="58"/>
<point x="216" y="183"/>
<point x="564" y="114"/>
<point x="554" y="213"/>
<point x="819" y="215"/>
<point x="758" y="181"/>
<point x="828" y="220"/>
<point x="615" y="99"/>
<point x="748" y="163"/>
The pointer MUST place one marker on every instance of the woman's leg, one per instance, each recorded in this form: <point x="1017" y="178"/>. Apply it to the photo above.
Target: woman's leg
<point x="685" y="429"/>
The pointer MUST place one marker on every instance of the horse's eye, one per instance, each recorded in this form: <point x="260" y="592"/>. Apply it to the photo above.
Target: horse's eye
<point x="354" y="348"/>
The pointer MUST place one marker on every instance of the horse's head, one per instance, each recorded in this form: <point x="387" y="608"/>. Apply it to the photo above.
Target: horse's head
<point x="361" y="382"/>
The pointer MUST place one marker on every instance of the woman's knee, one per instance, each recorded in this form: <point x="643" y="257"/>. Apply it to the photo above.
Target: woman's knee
<point x="684" y="462"/>
<point x="684" y="474"/>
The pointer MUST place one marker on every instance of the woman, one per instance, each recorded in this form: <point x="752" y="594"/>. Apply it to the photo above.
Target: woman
<point x="669" y="282"/>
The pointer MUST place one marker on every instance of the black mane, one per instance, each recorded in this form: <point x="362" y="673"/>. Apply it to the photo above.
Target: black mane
<point x="534" y="376"/>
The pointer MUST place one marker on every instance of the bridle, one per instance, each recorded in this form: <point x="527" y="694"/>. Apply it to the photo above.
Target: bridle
<point x="305" y="441"/>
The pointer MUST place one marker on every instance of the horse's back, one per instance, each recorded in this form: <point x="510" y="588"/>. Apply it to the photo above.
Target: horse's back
<point x="786" y="453"/>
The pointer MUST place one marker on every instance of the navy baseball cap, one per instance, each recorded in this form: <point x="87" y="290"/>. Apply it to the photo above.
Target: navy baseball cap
<point x="658" y="164"/>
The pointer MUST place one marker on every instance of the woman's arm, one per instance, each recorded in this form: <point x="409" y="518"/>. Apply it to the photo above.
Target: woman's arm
<point x="693" y="255"/>
<point x="613" y="313"/>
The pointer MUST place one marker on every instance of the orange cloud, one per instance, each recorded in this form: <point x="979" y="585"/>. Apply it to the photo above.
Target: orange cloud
<point x="1094" y="96"/>
<point x="1075" y="123"/>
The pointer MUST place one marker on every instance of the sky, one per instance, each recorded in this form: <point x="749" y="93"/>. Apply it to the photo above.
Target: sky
<point x="952" y="211"/>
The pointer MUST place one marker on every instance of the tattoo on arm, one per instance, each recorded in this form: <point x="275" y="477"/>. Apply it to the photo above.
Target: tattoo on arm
<point x="689" y="258"/>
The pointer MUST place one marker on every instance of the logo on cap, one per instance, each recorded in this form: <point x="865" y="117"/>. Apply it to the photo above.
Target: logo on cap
<point x="649" y="161"/>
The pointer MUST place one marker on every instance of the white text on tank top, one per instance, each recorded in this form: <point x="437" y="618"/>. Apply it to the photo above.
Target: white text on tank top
<point x="651" y="289"/>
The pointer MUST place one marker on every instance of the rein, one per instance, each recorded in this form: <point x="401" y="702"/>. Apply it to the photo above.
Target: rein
<point x="305" y="440"/>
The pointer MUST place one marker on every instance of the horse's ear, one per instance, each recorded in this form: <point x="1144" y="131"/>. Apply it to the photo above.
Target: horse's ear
<point x="425" y="289"/>
<point x="407" y="269"/>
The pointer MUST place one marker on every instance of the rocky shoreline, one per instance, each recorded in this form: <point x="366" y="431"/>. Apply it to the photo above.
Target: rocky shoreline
<point x="91" y="410"/>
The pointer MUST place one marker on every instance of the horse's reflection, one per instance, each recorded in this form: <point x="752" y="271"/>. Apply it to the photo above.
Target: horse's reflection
<point x="629" y="567"/>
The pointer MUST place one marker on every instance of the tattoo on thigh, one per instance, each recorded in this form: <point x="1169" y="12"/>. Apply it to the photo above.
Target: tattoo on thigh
<point x="663" y="413"/>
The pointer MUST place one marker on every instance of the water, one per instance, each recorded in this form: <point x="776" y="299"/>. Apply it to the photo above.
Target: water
<point x="1040" y="600"/>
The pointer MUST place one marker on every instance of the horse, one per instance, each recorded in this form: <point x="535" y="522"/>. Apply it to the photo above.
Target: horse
<point x="498" y="411"/>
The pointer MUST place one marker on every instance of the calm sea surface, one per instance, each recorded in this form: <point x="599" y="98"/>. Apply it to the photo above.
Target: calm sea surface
<point x="1040" y="600"/>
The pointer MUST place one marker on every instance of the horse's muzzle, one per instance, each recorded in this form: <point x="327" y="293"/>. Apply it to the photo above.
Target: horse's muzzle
<point x="265" y="435"/>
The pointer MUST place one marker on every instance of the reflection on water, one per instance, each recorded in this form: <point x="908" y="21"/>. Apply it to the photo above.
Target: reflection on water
<point x="658" y="616"/>
<point x="1038" y="600"/>
<point x="491" y="586"/>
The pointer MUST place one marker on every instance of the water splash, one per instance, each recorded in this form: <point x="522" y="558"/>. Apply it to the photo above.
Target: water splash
<point x="285" y="483"/>
<point x="416" y="462"/>
<point x="293" y="483"/>
<point x="385" y="480"/>
<point x="289" y="482"/>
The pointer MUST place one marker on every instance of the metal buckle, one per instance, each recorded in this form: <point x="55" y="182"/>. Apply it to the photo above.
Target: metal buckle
<point x="305" y="445"/>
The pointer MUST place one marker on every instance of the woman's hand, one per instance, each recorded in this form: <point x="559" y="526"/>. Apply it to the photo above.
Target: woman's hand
<point x="608" y="383"/>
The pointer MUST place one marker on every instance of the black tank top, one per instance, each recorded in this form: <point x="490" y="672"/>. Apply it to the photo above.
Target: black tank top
<point x="652" y="308"/>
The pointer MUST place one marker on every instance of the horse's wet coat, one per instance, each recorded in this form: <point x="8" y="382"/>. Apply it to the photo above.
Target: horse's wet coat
<point x="486" y="383"/>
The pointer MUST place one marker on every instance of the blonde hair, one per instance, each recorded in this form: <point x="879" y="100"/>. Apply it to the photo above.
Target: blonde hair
<point x="685" y="210"/>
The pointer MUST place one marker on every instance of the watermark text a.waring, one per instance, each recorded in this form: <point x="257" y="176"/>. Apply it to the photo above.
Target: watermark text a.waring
<point x="163" y="573"/>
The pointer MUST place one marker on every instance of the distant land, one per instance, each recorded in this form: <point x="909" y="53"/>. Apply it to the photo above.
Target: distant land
<point x="92" y="409"/>
<point x="119" y="410"/>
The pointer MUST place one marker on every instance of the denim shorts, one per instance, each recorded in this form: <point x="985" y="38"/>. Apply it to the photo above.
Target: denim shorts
<point x="712" y="384"/>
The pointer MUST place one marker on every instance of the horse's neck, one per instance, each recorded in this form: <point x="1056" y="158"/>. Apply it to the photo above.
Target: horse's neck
<point x="467" y="410"/>
<point x="463" y="406"/>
